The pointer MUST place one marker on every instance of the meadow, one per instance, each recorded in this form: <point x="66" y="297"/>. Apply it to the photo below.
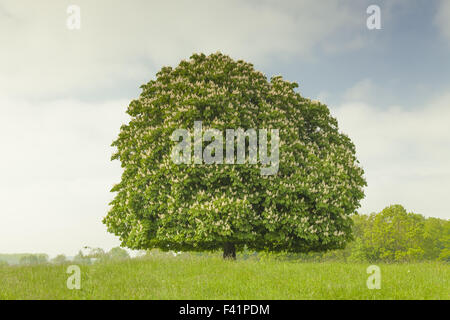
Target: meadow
<point x="194" y="277"/>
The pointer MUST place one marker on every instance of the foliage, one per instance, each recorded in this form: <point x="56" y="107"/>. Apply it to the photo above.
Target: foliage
<point x="100" y="255"/>
<point x="15" y="258"/>
<point x="118" y="253"/>
<point x="81" y="258"/>
<point x="436" y="237"/>
<point x="392" y="235"/>
<point x="97" y="253"/>
<point x="159" y="204"/>
<point x="445" y="255"/>
<point x="33" y="259"/>
<point x="59" y="259"/>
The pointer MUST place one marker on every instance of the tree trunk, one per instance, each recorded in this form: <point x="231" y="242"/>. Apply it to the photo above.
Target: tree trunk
<point x="229" y="251"/>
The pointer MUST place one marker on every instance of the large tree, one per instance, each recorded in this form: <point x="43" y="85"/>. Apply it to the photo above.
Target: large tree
<point x="305" y="206"/>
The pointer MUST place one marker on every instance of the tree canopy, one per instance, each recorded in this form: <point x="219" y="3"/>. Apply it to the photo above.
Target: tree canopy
<point x="304" y="207"/>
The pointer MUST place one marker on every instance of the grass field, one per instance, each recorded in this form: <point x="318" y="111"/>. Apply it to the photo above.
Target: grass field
<point x="213" y="278"/>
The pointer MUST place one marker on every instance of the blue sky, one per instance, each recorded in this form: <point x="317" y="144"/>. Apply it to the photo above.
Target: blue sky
<point x="63" y="96"/>
<point x="408" y="55"/>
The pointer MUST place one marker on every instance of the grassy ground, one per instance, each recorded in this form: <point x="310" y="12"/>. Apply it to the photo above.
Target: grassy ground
<point x="213" y="278"/>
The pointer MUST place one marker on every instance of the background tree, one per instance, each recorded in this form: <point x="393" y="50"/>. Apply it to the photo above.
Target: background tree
<point x="97" y="254"/>
<point x="118" y="253"/>
<point x="159" y="204"/>
<point x="394" y="235"/>
<point x="435" y="237"/>
<point x="28" y="260"/>
<point x="59" y="259"/>
<point x="81" y="258"/>
<point x="33" y="259"/>
<point x="445" y="253"/>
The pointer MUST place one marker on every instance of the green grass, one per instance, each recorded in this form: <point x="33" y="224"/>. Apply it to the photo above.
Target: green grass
<point x="212" y="278"/>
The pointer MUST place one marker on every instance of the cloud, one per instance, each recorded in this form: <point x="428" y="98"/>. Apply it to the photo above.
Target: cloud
<point x="441" y="19"/>
<point x="405" y="153"/>
<point x="56" y="174"/>
<point x="121" y="41"/>
<point x="363" y="90"/>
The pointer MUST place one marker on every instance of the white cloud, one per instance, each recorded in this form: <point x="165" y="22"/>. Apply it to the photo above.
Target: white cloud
<point x="55" y="167"/>
<point x="442" y="18"/>
<point x="405" y="154"/>
<point x="363" y="90"/>
<point x="56" y="174"/>
<point x="121" y="41"/>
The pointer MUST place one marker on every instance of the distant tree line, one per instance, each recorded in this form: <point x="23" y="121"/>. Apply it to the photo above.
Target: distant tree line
<point x="23" y="259"/>
<point x="93" y="255"/>
<point x="33" y="259"/>
<point x="100" y="255"/>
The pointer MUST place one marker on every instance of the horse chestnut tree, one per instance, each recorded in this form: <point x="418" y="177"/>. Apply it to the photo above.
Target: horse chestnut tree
<point x="304" y="206"/>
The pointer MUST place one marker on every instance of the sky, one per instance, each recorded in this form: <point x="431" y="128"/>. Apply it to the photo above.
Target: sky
<point x="64" y="93"/>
